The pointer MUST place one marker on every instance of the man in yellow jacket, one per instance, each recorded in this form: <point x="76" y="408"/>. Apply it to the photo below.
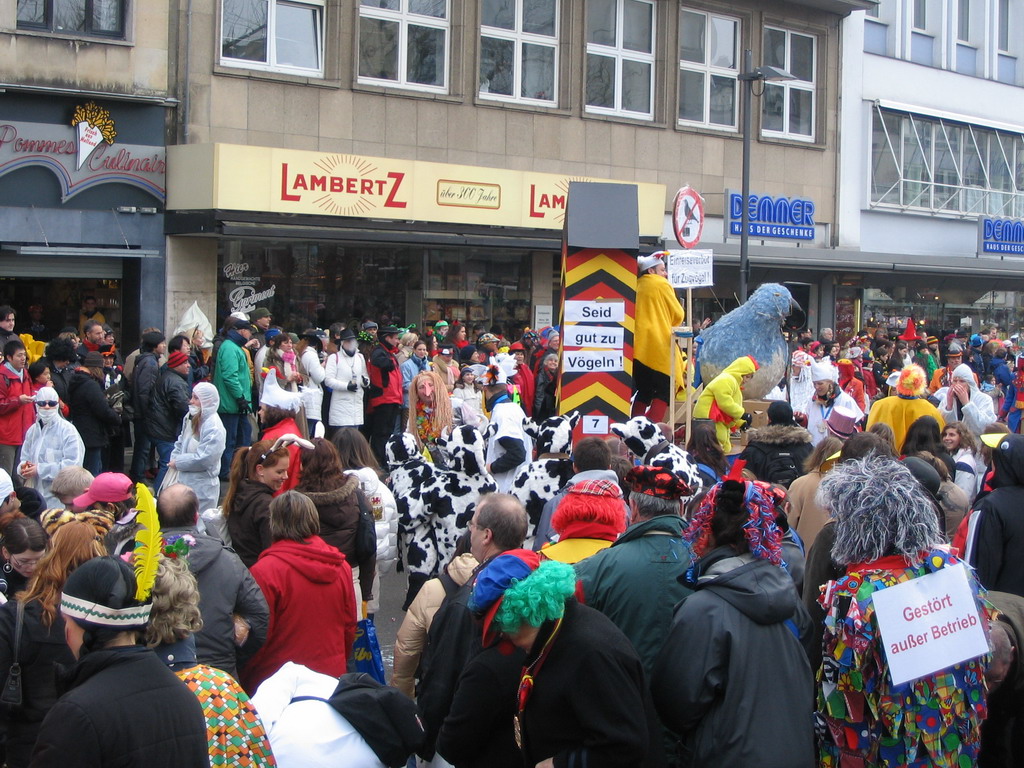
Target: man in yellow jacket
<point x="722" y="399"/>
<point x="658" y="311"/>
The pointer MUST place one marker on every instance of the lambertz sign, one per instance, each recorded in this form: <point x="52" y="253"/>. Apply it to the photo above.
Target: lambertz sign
<point x="82" y="153"/>
<point x="1001" y="236"/>
<point x="785" y="218"/>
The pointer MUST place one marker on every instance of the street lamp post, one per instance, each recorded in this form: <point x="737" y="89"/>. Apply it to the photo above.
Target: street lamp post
<point x="748" y="77"/>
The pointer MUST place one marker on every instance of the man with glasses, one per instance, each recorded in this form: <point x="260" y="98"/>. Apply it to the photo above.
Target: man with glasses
<point x="51" y="444"/>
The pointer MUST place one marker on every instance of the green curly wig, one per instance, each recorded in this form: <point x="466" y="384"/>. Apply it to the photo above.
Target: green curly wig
<point x="538" y="598"/>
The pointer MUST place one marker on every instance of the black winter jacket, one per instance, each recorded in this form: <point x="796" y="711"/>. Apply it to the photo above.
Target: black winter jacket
<point x="339" y="522"/>
<point x="1000" y="527"/>
<point x="590" y="705"/>
<point x="90" y="413"/>
<point x="249" y="521"/>
<point x="168" y="406"/>
<point x="225" y="588"/>
<point x="144" y="378"/>
<point x="42" y="649"/>
<point x="124" y="709"/>
<point x="732" y="679"/>
<point x="766" y="444"/>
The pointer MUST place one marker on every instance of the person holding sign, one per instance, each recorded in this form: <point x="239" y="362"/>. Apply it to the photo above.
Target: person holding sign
<point x="887" y="538"/>
<point x="658" y="311"/>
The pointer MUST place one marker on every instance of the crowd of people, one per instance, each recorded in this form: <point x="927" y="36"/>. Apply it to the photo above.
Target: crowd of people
<point x="597" y="601"/>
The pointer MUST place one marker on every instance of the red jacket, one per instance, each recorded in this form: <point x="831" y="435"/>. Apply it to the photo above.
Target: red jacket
<point x="308" y="587"/>
<point x="527" y="384"/>
<point x="15" y="417"/>
<point x="385" y="377"/>
<point x="287" y="427"/>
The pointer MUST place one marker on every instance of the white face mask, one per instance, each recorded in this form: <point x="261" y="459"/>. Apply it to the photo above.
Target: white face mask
<point x="46" y="415"/>
<point x="194" y="410"/>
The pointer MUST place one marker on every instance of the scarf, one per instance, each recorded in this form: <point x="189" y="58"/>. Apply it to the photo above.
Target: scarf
<point x="20" y="374"/>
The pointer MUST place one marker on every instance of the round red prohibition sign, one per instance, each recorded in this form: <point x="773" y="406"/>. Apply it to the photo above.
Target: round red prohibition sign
<point x="688" y="217"/>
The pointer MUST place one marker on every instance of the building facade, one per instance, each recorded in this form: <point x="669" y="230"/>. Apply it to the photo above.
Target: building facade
<point x="85" y="105"/>
<point x="409" y="159"/>
<point x="931" y="209"/>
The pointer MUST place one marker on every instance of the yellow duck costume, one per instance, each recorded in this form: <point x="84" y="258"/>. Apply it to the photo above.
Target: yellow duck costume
<point x="901" y="410"/>
<point x="722" y="399"/>
<point x="658" y="311"/>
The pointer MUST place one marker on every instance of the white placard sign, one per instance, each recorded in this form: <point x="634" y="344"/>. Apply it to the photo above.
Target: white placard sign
<point x="595" y="424"/>
<point x="594" y="336"/>
<point x="542" y="315"/>
<point x="592" y="362"/>
<point x="929" y="624"/>
<point x="691" y="269"/>
<point x="595" y="311"/>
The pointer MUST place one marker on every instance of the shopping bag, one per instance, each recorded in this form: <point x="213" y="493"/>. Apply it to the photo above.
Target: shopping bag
<point x="366" y="650"/>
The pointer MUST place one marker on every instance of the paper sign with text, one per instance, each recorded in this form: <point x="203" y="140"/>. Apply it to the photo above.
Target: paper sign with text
<point x="595" y="311"/>
<point x="594" y="336"/>
<point x="592" y="362"/>
<point x="691" y="269"/>
<point x="929" y="624"/>
<point x="595" y="424"/>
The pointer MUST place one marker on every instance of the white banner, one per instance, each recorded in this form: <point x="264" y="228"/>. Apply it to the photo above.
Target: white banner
<point x="595" y="311"/>
<point x="594" y="336"/>
<point x="592" y="362"/>
<point x="691" y="269"/>
<point x="929" y="624"/>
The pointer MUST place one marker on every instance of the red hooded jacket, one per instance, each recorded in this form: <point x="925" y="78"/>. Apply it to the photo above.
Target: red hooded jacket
<point x="308" y="587"/>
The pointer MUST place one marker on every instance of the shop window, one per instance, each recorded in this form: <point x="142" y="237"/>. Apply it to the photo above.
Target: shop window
<point x="787" y="107"/>
<point x="100" y="18"/>
<point x="404" y="43"/>
<point x="273" y="35"/>
<point x="708" y="65"/>
<point x="620" y="58"/>
<point x="519" y="51"/>
<point x="942" y="166"/>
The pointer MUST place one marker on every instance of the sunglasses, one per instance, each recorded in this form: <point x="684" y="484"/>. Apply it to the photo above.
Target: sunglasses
<point x="47" y="403"/>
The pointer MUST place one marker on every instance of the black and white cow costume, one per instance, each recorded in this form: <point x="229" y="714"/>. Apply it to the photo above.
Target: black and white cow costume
<point x="542" y="479"/>
<point x="458" y="488"/>
<point x="435" y="505"/>
<point x="647" y="443"/>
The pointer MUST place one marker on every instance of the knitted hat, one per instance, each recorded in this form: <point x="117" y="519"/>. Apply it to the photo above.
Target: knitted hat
<point x="259" y="312"/>
<point x="93" y="360"/>
<point x="976" y="340"/>
<point x="912" y="381"/>
<point x="176" y="359"/>
<point x="660" y="482"/>
<point x="275" y="397"/>
<point x="466" y="354"/>
<point x="100" y="593"/>
<point x="153" y="338"/>
<point x="440" y="324"/>
<point x="271" y="333"/>
<point x="780" y="413"/>
<point x="516" y="588"/>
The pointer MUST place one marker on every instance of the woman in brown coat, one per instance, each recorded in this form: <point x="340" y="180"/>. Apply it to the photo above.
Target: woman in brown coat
<point x="337" y="498"/>
<point x="805" y="516"/>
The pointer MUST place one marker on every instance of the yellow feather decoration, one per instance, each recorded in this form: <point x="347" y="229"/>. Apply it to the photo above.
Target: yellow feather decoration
<point x="148" y="542"/>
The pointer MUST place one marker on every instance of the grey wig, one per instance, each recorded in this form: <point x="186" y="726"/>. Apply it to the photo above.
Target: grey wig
<point x="879" y="510"/>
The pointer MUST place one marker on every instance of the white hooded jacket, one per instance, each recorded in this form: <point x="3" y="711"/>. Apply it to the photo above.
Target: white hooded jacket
<point x="346" y="407"/>
<point x="51" y="447"/>
<point x="197" y="457"/>
<point x="978" y="413"/>
<point x="377" y="492"/>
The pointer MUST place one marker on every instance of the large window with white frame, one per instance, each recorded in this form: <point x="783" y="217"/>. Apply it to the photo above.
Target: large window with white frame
<point x="708" y="65"/>
<point x="519" y="51"/>
<point x="943" y="166"/>
<point x="275" y="35"/>
<point x="620" y="58"/>
<point x="788" y="106"/>
<point x="404" y="43"/>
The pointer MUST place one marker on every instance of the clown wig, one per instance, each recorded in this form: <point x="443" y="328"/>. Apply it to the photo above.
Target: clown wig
<point x="538" y="598"/>
<point x="880" y="510"/>
<point x="912" y="382"/>
<point x="440" y="417"/>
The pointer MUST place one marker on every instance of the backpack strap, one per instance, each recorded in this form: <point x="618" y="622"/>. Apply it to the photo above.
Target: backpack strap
<point x="447" y="582"/>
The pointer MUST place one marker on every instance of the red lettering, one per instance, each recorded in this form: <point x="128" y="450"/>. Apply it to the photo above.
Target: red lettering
<point x="534" y="213"/>
<point x="558" y="201"/>
<point x="366" y="187"/>
<point x="8" y="133"/>
<point x="350" y="185"/>
<point x="318" y="182"/>
<point x="391" y="202"/>
<point x="300" y="182"/>
<point x="337" y="184"/>
<point x="380" y="186"/>
<point x="284" y="184"/>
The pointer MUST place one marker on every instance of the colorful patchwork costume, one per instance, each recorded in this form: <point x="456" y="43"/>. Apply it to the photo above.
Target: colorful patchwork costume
<point x="865" y="720"/>
<point x="237" y="736"/>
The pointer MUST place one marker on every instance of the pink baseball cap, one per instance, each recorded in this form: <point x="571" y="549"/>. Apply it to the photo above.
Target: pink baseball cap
<point x="107" y="488"/>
